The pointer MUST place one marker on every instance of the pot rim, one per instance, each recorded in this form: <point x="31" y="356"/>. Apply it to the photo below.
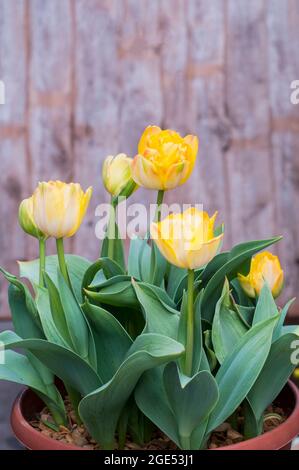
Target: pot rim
<point x="289" y="429"/>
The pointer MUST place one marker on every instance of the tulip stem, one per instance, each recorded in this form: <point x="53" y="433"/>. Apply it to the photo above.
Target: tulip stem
<point x="160" y="197"/>
<point x="190" y="324"/>
<point x="111" y="229"/>
<point x="61" y="260"/>
<point x="42" y="261"/>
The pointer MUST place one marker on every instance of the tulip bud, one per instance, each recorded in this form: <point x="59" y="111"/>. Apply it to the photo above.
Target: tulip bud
<point x="59" y="208"/>
<point x="117" y="175"/>
<point x="165" y="160"/>
<point x="264" y="267"/>
<point x="26" y="219"/>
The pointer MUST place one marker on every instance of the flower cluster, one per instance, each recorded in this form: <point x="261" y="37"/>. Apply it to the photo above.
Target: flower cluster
<point x="162" y="341"/>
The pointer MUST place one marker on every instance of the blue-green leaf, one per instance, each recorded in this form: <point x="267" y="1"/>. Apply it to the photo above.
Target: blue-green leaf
<point x="266" y="306"/>
<point x="227" y="328"/>
<point x="160" y="317"/>
<point x="101" y="409"/>
<point x="77" y="265"/>
<point x="112" y="340"/>
<point x="63" y="362"/>
<point x="240" y="370"/>
<point x="191" y="401"/>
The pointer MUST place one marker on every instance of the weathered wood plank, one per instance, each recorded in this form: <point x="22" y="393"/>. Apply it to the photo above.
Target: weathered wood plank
<point x="248" y="157"/>
<point x="13" y="161"/>
<point x="118" y="91"/>
<point x="283" y="35"/>
<point x="50" y="92"/>
<point x="203" y="109"/>
<point x="84" y="78"/>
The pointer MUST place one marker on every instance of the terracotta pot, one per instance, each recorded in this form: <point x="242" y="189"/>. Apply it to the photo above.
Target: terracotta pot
<point x="27" y="404"/>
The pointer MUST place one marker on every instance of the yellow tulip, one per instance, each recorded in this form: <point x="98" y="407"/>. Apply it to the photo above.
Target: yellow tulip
<point x="117" y="174"/>
<point x="26" y="219"/>
<point x="187" y="239"/>
<point x="165" y="160"/>
<point x="264" y="267"/>
<point x="58" y="208"/>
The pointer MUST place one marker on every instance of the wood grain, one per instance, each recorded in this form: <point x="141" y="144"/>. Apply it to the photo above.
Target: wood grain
<point x="85" y="77"/>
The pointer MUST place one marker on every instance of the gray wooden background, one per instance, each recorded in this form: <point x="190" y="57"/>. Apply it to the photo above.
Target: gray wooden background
<point x="84" y="77"/>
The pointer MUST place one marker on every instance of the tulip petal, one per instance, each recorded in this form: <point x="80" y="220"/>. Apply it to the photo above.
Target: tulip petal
<point x="175" y="175"/>
<point x="165" y="245"/>
<point x="192" y="142"/>
<point x="145" y="174"/>
<point x="278" y="285"/>
<point x="207" y="251"/>
<point x="148" y="132"/>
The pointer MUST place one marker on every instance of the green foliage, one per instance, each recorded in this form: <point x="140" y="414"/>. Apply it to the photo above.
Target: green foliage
<point x="116" y="336"/>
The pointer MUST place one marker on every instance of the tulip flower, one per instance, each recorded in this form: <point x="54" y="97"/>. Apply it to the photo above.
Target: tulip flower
<point x="117" y="175"/>
<point x="187" y="240"/>
<point x="59" y="208"/>
<point x="117" y="179"/>
<point x="165" y="160"/>
<point x="264" y="267"/>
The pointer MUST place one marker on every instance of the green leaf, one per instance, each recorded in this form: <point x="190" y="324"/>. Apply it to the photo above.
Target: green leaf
<point x="112" y="340"/>
<point x="145" y="263"/>
<point x="245" y="313"/>
<point x="191" y="401"/>
<point x="160" y="317"/>
<point x="176" y="276"/>
<point x="116" y="291"/>
<point x="26" y="327"/>
<point x="78" y="327"/>
<point x="77" y="265"/>
<point x="25" y="324"/>
<point x="240" y="370"/>
<point x="210" y="354"/>
<point x="252" y="426"/>
<point x="151" y="399"/>
<point x="266" y="306"/>
<point x="101" y="409"/>
<point x="278" y="328"/>
<point x="110" y="269"/>
<point x="273" y="376"/>
<point x="119" y="256"/>
<point x="63" y="362"/>
<point x="136" y="246"/>
<point x="28" y="305"/>
<point x="44" y="309"/>
<point x="57" y="312"/>
<point x="227" y="328"/>
<point x="227" y="265"/>
<point x="18" y="369"/>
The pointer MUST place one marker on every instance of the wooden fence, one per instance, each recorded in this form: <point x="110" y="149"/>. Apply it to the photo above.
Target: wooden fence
<point x="84" y="77"/>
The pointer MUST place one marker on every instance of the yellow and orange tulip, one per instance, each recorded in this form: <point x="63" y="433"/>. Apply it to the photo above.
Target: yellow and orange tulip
<point x="264" y="267"/>
<point x="187" y="239"/>
<point x="165" y="160"/>
<point x="59" y="208"/>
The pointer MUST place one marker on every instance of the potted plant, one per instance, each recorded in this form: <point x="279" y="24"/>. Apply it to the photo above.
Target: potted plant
<point x="180" y="347"/>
